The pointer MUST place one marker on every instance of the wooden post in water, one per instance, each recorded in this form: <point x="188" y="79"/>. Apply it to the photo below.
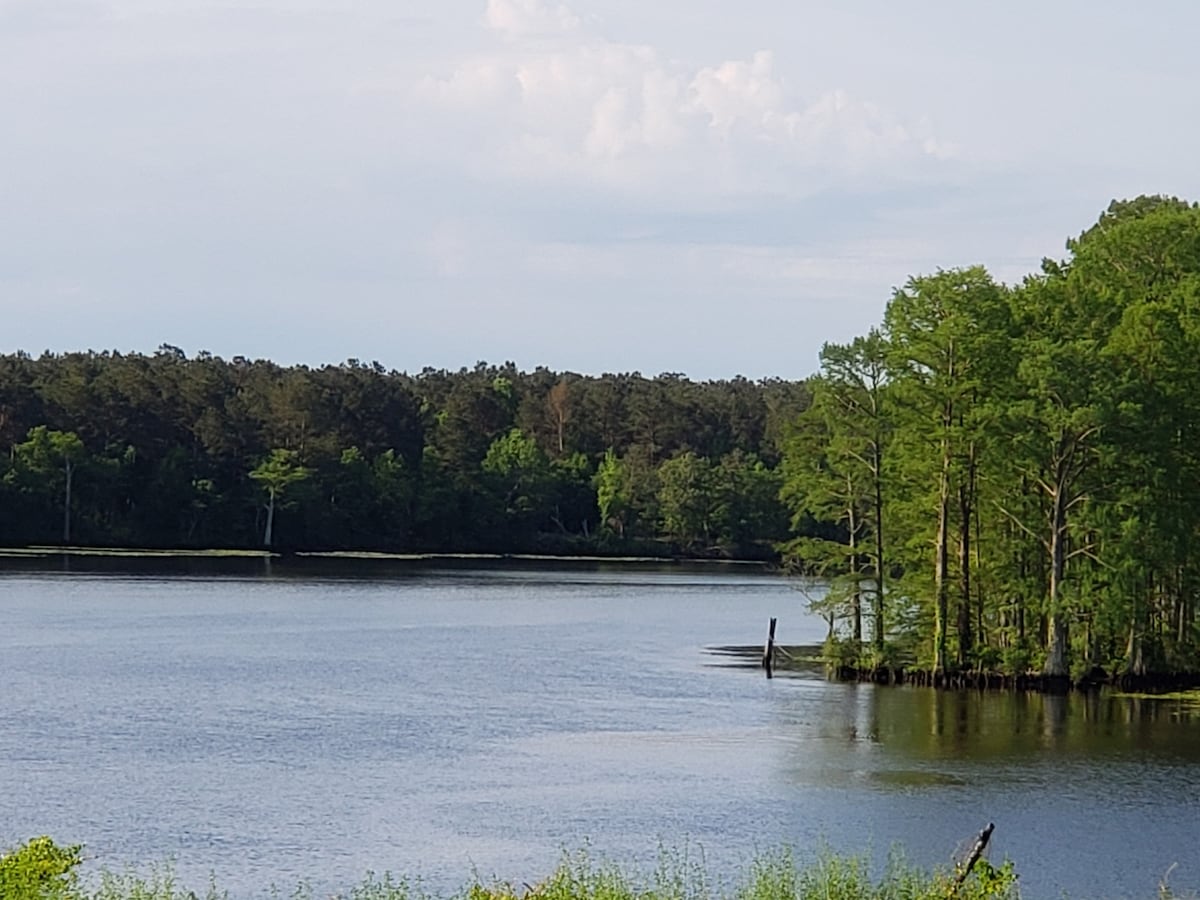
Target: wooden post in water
<point x="768" y="660"/>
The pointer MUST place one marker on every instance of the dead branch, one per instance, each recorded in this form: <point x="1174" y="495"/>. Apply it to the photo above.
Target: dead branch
<point x="981" y="843"/>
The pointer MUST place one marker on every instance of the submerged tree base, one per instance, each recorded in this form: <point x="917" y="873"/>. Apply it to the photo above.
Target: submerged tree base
<point x="957" y="679"/>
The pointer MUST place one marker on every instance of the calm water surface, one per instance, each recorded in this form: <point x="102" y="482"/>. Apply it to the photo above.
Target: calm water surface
<point x="309" y="722"/>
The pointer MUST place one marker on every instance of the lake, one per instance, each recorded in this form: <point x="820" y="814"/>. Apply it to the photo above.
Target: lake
<point x="315" y="720"/>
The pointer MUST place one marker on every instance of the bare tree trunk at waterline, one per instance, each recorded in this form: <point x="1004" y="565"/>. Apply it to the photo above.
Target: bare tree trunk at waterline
<point x="1056" y="649"/>
<point x="70" y="470"/>
<point x="269" y="531"/>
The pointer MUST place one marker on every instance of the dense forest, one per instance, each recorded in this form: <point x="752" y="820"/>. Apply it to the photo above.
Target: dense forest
<point x="997" y="476"/>
<point x="167" y="451"/>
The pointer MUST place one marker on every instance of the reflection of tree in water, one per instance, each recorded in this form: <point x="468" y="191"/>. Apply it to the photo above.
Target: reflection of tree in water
<point x="914" y="738"/>
<point x="1055" y="708"/>
<point x="931" y="724"/>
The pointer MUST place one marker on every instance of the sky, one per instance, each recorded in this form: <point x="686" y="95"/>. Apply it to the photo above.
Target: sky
<point x="703" y="187"/>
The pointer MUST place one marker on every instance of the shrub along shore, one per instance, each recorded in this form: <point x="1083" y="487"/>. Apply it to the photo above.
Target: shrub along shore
<point x="40" y="869"/>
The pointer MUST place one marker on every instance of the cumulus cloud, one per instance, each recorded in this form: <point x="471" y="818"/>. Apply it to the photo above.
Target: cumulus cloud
<point x="523" y="18"/>
<point x="554" y="97"/>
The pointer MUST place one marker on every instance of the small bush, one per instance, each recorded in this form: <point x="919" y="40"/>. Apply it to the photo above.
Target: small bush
<point x="1016" y="660"/>
<point x="842" y="651"/>
<point x="385" y="888"/>
<point x="158" y="884"/>
<point x="39" y="870"/>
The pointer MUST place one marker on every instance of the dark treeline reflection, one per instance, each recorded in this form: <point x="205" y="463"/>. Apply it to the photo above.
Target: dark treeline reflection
<point x="922" y="725"/>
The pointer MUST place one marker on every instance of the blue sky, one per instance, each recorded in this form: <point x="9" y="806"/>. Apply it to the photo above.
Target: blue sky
<point x="594" y="185"/>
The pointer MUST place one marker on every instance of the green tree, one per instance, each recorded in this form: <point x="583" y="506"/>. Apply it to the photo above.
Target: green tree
<point x="822" y="484"/>
<point x="53" y="456"/>
<point x="941" y="334"/>
<point x="843" y="480"/>
<point x="612" y="493"/>
<point x="749" y="517"/>
<point x="520" y="475"/>
<point x="1130" y="293"/>
<point x="687" y="499"/>
<point x="574" y="497"/>
<point x="371" y="499"/>
<point x="277" y="473"/>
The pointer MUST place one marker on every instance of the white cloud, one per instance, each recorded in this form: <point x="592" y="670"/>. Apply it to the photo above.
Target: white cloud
<point x="552" y="98"/>
<point x="523" y="18"/>
<point x="740" y="93"/>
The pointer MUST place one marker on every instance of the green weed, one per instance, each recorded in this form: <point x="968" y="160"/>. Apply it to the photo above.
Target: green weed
<point x="39" y="870"/>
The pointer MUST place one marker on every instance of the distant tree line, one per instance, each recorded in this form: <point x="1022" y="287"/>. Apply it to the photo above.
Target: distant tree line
<point x="997" y="477"/>
<point x="163" y="450"/>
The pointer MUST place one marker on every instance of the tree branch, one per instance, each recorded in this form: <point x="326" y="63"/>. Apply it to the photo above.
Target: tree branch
<point x="1025" y="528"/>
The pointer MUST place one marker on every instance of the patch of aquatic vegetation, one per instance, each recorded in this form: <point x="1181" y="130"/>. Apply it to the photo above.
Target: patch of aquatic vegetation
<point x="916" y="778"/>
<point x="1190" y="697"/>
<point x="131" y="552"/>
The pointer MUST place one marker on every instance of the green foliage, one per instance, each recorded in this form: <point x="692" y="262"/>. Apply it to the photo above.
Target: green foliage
<point x="515" y="454"/>
<point x="988" y="881"/>
<point x="1022" y="476"/>
<point x="839" y="650"/>
<point x="612" y="493"/>
<point x="772" y="876"/>
<point x="520" y="475"/>
<point x="168" y="442"/>
<point x="277" y="473"/>
<point x="687" y="500"/>
<point x="158" y="883"/>
<point x="40" y="869"/>
<point x="748" y="510"/>
<point x="280" y="470"/>
<point x="835" y="877"/>
<point x="375" y="887"/>
<point x="45" y="464"/>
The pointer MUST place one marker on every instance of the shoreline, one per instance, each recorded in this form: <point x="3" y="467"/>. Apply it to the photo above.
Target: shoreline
<point x="47" y="552"/>
<point x="1182" y="686"/>
<point x="1148" y="684"/>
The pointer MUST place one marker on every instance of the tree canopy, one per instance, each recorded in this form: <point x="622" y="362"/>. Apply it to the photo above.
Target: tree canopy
<point x="166" y="450"/>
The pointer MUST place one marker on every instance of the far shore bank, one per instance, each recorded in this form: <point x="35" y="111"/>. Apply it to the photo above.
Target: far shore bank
<point x="422" y="556"/>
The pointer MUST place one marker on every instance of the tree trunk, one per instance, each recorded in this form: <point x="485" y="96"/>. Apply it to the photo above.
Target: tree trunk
<point x="941" y="548"/>
<point x="877" y="463"/>
<point x="964" y="578"/>
<point x="269" y="531"/>
<point x="941" y="560"/>
<point x="855" y="573"/>
<point x="70" y="472"/>
<point x="1179" y="613"/>
<point x="1135" y="659"/>
<point x="981" y="635"/>
<point x="1056" y="650"/>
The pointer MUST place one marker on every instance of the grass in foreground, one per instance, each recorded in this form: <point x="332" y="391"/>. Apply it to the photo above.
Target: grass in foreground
<point x="43" y="870"/>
